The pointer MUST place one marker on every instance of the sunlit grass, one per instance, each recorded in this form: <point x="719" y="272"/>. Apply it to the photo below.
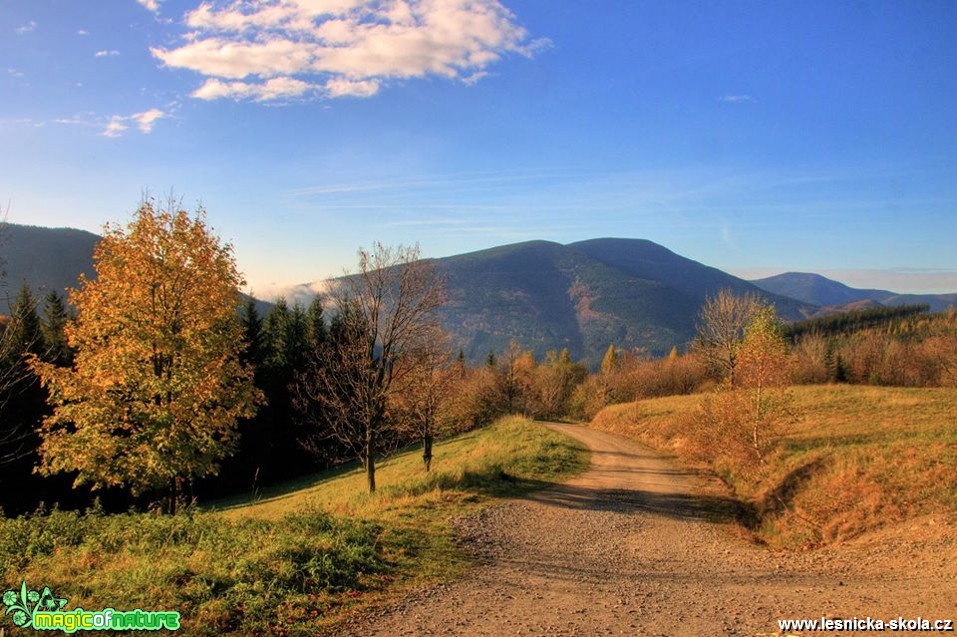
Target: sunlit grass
<point x="294" y="560"/>
<point x="506" y="459"/>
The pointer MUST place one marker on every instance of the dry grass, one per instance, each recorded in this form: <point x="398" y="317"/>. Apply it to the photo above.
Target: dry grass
<point x="855" y="459"/>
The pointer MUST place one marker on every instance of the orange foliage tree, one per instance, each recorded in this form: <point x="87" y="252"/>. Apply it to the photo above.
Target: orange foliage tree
<point x="153" y="397"/>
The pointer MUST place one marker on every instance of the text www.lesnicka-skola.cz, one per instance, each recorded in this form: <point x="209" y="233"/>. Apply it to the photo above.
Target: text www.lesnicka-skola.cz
<point x="865" y="624"/>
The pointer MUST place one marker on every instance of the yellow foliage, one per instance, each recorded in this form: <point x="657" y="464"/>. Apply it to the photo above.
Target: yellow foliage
<point x="157" y="386"/>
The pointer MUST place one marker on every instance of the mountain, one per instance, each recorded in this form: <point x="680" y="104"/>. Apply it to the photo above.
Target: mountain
<point x="48" y="259"/>
<point x="583" y="296"/>
<point x="818" y="290"/>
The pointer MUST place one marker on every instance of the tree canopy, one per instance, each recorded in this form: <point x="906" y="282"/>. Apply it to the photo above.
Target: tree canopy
<point x="156" y="387"/>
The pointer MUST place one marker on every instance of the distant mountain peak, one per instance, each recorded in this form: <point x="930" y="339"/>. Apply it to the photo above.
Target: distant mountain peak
<point x="816" y="289"/>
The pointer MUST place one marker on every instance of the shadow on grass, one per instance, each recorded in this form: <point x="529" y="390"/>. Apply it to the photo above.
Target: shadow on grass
<point x="291" y="488"/>
<point x="493" y="481"/>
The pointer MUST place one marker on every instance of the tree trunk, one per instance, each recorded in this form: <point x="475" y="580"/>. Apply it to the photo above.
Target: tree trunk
<point x="173" y="496"/>
<point x="427" y="451"/>
<point x="370" y="460"/>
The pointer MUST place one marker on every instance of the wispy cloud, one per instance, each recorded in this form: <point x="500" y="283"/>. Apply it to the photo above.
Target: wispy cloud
<point x="115" y="127"/>
<point x="145" y="120"/>
<point x="119" y="124"/>
<point x="26" y="28"/>
<point x="105" y="53"/>
<point x="726" y="236"/>
<point x="736" y="99"/>
<point x="264" y="51"/>
<point x="14" y="73"/>
<point x="83" y="32"/>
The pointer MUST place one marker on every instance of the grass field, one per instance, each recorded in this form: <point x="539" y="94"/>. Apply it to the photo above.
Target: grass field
<point x="854" y="459"/>
<point x="295" y="559"/>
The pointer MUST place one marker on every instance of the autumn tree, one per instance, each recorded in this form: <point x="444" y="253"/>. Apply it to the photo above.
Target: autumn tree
<point x="554" y="382"/>
<point x="430" y="380"/>
<point x="745" y="421"/>
<point x="609" y="362"/>
<point x="721" y="324"/>
<point x="384" y="314"/>
<point x="763" y="373"/>
<point x="157" y="386"/>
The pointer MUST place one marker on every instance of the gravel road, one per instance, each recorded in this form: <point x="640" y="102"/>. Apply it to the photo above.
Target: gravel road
<point x="627" y="549"/>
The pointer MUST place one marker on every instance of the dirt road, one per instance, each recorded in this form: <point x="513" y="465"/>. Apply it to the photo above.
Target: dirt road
<point x="626" y="549"/>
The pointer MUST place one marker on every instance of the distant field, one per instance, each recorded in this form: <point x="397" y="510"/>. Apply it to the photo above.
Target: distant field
<point x="291" y="562"/>
<point x="855" y="459"/>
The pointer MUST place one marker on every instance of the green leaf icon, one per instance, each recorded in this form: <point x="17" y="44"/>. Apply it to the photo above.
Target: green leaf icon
<point x="49" y="602"/>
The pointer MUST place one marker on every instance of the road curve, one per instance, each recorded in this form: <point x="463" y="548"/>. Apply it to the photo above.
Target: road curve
<point x="627" y="549"/>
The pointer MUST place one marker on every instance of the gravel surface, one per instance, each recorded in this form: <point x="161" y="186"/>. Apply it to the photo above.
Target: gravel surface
<point x="627" y="549"/>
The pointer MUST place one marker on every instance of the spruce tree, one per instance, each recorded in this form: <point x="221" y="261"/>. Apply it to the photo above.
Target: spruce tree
<point x="316" y="324"/>
<point x="24" y="335"/>
<point x="252" y="333"/>
<point x="52" y="327"/>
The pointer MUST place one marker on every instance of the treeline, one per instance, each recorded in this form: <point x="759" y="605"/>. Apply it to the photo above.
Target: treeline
<point x="23" y="401"/>
<point x="854" y="321"/>
<point x="919" y="350"/>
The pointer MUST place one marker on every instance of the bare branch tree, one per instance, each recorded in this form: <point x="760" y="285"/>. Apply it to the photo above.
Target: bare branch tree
<point x="721" y="329"/>
<point x="386" y="313"/>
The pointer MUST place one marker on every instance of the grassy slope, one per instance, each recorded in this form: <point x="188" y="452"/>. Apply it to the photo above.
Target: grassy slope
<point x="296" y="559"/>
<point x="856" y="458"/>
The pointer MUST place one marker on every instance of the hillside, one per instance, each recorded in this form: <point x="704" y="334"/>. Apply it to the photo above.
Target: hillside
<point x="46" y="258"/>
<point x="819" y="290"/>
<point x="545" y="295"/>
<point x="583" y="296"/>
<point x="854" y="459"/>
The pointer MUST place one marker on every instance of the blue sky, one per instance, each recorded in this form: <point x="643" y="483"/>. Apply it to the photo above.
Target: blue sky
<point x="757" y="137"/>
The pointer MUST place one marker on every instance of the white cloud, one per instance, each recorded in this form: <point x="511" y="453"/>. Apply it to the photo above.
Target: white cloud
<point x="15" y="73"/>
<point x="115" y="127"/>
<point x="151" y="5"/>
<point x="83" y="32"/>
<point x="341" y="87"/>
<point x="119" y="124"/>
<point x="144" y="121"/>
<point x="103" y="54"/>
<point x="348" y="47"/>
<point x="736" y="99"/>
<point x="275" y="88"/>
<point x="26" y="28"/>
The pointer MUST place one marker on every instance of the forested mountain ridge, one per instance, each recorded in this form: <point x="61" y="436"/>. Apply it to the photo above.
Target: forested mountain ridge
<point x="583" y="296"/>
<point x="545" y="295"/>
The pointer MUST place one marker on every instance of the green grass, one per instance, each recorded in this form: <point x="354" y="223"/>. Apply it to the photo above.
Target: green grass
<point x="855" y="459"/>
<point x="293" y="561"/>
